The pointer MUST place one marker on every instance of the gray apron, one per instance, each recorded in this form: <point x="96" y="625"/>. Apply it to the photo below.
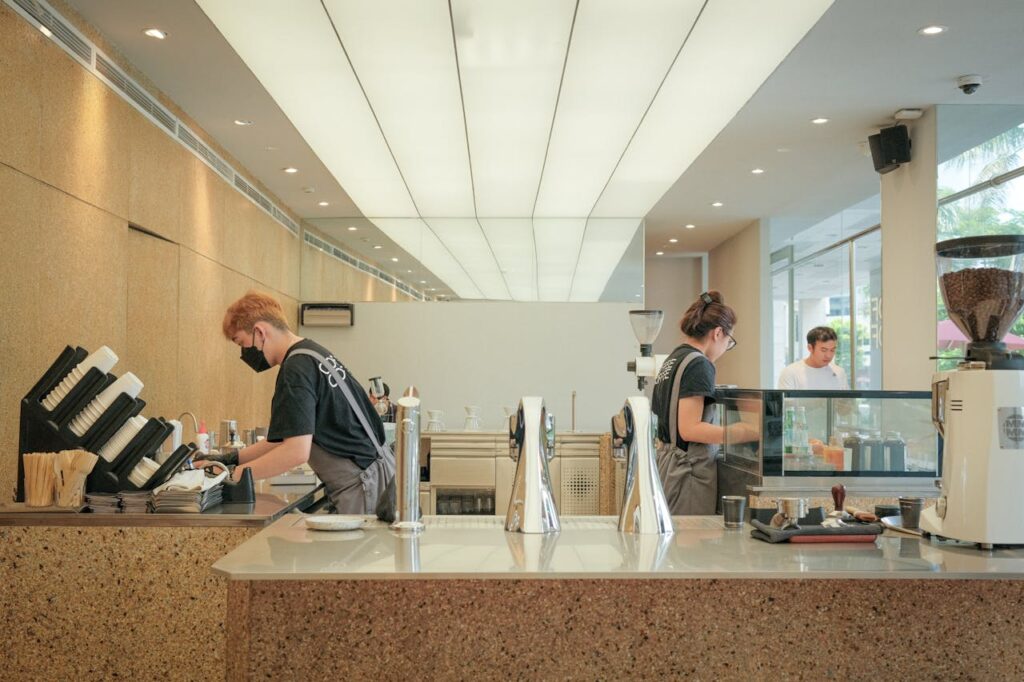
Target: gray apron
<point x="351" y="489"/>
<point x="690" y="476"/>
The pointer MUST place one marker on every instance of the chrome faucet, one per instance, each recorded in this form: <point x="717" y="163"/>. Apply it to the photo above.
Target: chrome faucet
<point x="644" y="509"/>
<point x="407" y="463"/>
<point x="531" y="508"/>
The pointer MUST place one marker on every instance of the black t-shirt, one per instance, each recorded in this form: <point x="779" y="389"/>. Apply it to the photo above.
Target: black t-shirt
<point x="698" y="379"/>
<point x="307" y="401"/>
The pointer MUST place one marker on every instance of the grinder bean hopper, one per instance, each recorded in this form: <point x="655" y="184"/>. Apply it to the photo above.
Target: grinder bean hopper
<point x="978" y="408"/>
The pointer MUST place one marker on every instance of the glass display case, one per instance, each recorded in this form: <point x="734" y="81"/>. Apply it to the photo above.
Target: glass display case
<point x="882" y="440"/>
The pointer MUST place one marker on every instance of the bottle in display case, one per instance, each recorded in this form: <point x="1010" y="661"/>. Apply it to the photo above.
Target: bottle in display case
<point x="853" y="452"/>
<point x="895" y="451"/>
<point x="874" y="452"/>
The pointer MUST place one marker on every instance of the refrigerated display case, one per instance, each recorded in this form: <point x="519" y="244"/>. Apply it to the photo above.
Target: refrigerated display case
<point x="880" y="442"/>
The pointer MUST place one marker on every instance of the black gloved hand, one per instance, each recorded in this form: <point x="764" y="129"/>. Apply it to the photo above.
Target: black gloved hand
<point x="228" y="457"/>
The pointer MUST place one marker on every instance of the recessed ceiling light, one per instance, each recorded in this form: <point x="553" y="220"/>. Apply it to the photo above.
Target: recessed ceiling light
<point x="289" y="169"/>
<point x="757" y="171"/>
<point x="659" y="253"/>
<point x="45" y="31"/>
<point x="423" y="281"/>
<point x="309" y="190"/>
<point x="673" y="240"/>
<point x="242" y="122"/>
<point x="394" y="260"/>
<point x="155" y="33"/>
<point x="716" y="204"/>
<point x="270" y="148"/>
<point x="819" y="121"/>
<point x="782" y="150"/>
<point x="408" y="272"/>
<point x="377" y="246"/>
<point x="932" y="30"/>
<point x="690" y="226"/>
<point x="324" y="203"/>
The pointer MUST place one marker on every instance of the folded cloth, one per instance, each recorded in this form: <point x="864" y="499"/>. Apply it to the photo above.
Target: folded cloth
<point x="764" y="531"/>
<point x="195" y="480"/>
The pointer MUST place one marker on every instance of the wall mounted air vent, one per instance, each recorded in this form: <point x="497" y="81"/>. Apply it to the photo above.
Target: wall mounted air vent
<point x="39" y="13"/>
<point x="60" y="30"/>
<point x="327" y="315"/>
<point x="135" y="93"/>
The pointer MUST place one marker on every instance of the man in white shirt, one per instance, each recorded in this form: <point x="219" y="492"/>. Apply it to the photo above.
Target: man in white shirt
<point x="816" y="372"/>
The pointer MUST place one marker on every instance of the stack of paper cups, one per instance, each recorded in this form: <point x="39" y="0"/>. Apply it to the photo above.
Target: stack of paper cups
<point x="102" y="359"/>
<point x="120" y="440"/>
<point x="128" y="384"/>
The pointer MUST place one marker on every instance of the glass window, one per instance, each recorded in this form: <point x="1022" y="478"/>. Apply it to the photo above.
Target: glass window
<point x="821" y="297"/>
<point x="867" y="279"/>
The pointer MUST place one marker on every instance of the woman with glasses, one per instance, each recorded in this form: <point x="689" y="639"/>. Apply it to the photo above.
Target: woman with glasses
<point x="684" y="397"/>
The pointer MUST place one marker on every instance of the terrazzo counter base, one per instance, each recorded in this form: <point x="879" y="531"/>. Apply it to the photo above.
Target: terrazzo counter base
<point x="98" y="596"/>
<point x="309" y="605"/>
<point x="94" y="603"/>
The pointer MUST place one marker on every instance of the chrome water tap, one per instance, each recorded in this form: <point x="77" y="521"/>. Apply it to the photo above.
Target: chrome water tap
<point x="644" y="509"/>
<point x="531" y="508"/>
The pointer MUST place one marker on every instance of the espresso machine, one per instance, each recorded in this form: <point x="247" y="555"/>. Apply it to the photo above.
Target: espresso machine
<point x="531" y="508"/>
<point x="978" y="408"/>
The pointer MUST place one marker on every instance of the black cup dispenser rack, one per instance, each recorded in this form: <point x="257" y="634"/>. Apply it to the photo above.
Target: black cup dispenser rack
<point x="43" y="430"/>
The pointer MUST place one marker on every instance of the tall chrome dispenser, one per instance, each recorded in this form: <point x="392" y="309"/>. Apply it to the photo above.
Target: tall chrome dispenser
<point x="644" y="509"/>
<point x="407" y="464"/>
<point x="531" y="508"/>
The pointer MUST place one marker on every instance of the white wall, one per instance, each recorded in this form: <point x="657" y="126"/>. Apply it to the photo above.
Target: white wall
<point x="738" y="268"/>
<point x="491" y="354"/>
<point x="908" y="264"/>
<point x="671" y="285"/>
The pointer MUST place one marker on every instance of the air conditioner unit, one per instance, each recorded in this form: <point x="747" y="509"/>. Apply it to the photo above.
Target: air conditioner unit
<point x="327" y="315"/>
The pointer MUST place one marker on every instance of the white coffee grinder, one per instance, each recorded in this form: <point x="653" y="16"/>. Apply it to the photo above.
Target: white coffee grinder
<point x="978" y="408"/>
<point x="646" y="326"/>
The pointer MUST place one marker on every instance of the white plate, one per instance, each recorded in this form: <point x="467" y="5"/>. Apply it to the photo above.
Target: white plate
<point x="334" y="522"/>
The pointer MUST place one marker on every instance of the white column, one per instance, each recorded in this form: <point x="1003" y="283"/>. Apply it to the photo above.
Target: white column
<point x="908" y="264"/>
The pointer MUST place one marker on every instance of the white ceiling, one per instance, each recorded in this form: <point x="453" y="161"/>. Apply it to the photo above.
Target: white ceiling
<point x="859" y="63"/>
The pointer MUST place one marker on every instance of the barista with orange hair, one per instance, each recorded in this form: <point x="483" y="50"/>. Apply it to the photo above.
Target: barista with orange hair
<point x="310" y="417"/>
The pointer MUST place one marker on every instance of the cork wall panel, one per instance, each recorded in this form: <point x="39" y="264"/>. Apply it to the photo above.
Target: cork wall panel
<point x="157" y="173"/>
<point x="63" y="283"/>
<point x="325" y="278"/>
<point x="21" y="104"/>
<point x="277" y="256"/>
<point x="213" y="382"/>
<point x="151" y="349"/>
<point x="202" y="198"/>
<point x="86" y="129"/>
<point x="237" y="235"/>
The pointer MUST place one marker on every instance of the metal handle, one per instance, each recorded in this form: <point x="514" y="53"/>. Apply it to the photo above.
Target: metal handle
<point x="939" y="405"/>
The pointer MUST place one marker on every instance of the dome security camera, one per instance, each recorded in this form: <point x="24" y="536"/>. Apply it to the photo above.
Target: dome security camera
<point x="969" y="84"/>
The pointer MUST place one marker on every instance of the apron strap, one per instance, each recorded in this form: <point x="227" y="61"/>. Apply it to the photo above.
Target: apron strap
<point x="673" y="410"/>
<point x="360" y="415"/>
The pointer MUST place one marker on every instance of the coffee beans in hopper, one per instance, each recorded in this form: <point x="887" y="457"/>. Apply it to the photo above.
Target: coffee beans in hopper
<point x="984" y="302"/>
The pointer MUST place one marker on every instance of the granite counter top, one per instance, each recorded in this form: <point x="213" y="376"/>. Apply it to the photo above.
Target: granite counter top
<point x="272" y="502"/>
<point x="466" y="547"/>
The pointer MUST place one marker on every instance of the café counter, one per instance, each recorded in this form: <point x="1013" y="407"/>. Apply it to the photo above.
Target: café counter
<point x="466" y="599"/>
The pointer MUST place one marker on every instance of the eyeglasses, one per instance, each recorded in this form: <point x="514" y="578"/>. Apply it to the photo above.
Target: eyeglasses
<point x="732" y="342"/>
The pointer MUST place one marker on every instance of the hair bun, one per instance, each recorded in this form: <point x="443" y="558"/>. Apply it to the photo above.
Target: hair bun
<point x="709" y="297"/>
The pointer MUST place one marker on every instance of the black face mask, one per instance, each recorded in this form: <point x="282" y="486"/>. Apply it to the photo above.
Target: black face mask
<point x="254" y="357"/>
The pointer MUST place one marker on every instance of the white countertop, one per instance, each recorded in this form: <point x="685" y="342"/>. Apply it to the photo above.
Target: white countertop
<point x="467" y="547"/>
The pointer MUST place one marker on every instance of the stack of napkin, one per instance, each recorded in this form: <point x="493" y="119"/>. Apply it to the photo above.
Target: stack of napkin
<point x="189" y="492"/>
<point x="136" y="502"/>
<point x="103" y="503"/>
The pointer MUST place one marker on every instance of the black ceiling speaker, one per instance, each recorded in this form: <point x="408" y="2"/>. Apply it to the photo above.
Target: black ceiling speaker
<point x="889" y="148"/>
